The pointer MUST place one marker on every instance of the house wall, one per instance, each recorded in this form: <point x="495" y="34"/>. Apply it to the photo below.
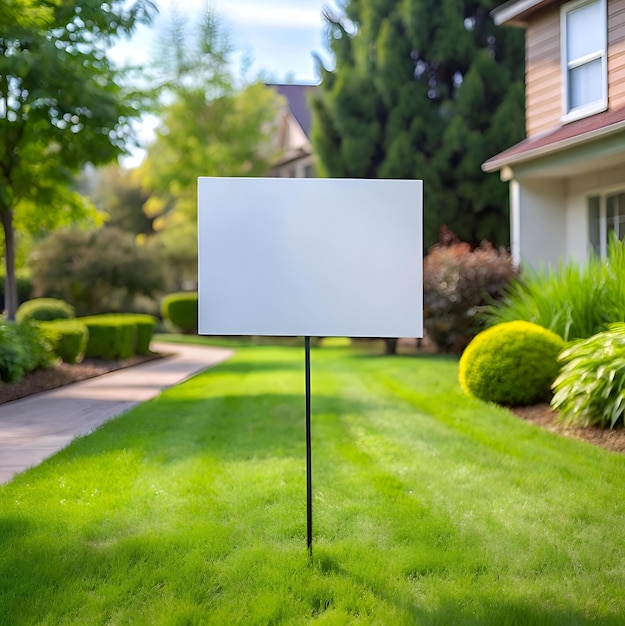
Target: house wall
<point x="550" y="216"/>
<point x="541" y="221"/>
<point x="296" y="158"/>
<point x="543" y="74"/>
<point x="578" y="189"/>
<point x="616" y="54"/>
<point x="299" y="168"/>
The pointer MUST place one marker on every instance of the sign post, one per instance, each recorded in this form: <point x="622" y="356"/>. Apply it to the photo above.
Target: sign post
<point x="308" y="452"/>
<point x="312" y="258"/>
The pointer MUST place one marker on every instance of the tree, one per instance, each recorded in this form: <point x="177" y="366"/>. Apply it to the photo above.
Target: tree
<point x="424" y="89"/>
<point x="62" y="105"/>
<point x="118" y="194"/>
<point x="95" y="271"/>
<point x="210" y="127"/>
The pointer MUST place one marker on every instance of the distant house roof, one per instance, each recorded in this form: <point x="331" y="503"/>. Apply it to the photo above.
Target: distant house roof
<point x="297" y="98"/>
<point x="562" y="137"/>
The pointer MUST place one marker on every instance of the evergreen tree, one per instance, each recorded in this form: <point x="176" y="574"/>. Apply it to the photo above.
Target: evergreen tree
<point x="424" y="89"/>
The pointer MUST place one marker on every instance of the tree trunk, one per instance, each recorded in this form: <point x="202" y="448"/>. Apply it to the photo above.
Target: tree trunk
<point x="10" y="283"/>
<point x="390" y="346"/>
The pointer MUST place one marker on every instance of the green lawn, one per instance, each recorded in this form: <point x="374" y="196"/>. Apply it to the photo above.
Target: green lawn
<point x="430" y="507"/>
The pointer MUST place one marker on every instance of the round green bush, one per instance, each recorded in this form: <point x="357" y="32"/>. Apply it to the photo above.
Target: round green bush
<point x="513" y="364"/>
<point x="181" y="310"/>
<point x="70" y="339"/>
<point x="44" y="310"/>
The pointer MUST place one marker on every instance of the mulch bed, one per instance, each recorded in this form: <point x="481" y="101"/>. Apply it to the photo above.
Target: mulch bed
<point x="542" y="415"/>
<point x="64" y="374"/>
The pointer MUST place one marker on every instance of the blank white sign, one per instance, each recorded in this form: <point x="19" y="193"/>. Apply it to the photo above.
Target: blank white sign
<point x="310" y="257"/>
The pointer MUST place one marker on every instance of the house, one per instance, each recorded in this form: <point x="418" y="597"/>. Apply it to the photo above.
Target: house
<point x="567" y="178"/>
<point x="295" y="152"/>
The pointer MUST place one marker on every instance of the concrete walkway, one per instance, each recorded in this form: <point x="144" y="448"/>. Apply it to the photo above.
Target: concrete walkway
<point x="36" y="427"/>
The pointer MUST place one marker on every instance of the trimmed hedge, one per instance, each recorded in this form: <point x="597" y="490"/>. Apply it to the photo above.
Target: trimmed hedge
<point x="118" y="335"/>
<point x="44" y="310"/>
<point x="513" y="364"/>
<point x="145" y="329"/>
<point x="70" y="339"/>
<point x="111" y="336"/>
<point x="181" y="310"/>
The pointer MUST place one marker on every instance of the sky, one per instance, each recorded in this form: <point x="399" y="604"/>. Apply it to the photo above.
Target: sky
<point x="280" y="35"/>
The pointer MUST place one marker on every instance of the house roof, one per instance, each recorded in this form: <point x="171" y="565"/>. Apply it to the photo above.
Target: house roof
<point x="565" y="136"/>
<point x="297" y="98"/>
<point x="517" y="12"/>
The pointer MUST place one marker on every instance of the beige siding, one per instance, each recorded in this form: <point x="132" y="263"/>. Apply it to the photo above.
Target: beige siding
<point x="543" y="73"/>
<point x="616" y="54"/>
<point x="543" y="77"/>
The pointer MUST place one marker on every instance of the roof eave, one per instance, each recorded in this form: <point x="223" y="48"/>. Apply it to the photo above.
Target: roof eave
<point x="495" y="164"/>
<point x="510" y="13"/>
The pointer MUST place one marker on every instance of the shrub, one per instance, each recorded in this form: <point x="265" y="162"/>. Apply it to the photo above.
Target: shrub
<point x="144" y="330"/>
<point x="574" y="302"/>
<point x="181" y="310"/>
<point x="12" y="358"/>
<point x="97" y="271"/>
<point x="70" y="339"/>
<point x="512" y="364"/>
<point x="23" y="348"/>
<point x="37" y="344"/>
<point x="457" y="284"/>
<point x="44" y="309"/>
<point x="590" y="389"/>
<point x="111" y="336"/>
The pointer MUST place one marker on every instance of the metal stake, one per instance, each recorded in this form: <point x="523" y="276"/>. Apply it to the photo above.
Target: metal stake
<point x="308" y="454"/>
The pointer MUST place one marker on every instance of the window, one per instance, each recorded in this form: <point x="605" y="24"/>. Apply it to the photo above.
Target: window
<point x="615" y="215"/>
<point x="606" y="215"/>
<point x="584" y="58"/>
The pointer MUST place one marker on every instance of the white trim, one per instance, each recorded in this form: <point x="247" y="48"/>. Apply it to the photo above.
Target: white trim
<point x="515" y="220"/>
<point x="603" y="227"/>
<point x="570" y="115"/>
<point x="510" y="10"/>
<point x="585" y="111"/>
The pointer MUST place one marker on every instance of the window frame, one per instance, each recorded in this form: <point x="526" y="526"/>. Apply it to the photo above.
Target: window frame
<point x="601" y="104"/>
<point x="603" y="196"/>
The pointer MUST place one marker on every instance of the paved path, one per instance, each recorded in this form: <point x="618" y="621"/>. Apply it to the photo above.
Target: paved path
<point x="36" y="427"/>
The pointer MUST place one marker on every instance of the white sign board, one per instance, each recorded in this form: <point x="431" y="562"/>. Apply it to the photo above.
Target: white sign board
<point x="310" y="257"/>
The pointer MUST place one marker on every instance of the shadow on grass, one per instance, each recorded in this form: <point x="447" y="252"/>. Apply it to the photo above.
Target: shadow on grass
<point x="227" y="427"/>
<point x="469" y="605"/>
<point x="143" y="572"/>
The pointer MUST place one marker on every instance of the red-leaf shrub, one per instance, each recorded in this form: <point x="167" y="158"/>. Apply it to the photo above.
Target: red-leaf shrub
<point x="458" y="281"/>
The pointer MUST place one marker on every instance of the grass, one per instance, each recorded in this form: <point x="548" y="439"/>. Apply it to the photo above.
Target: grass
<point x="573" y="301"/>
<point x="429" y="507"/>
